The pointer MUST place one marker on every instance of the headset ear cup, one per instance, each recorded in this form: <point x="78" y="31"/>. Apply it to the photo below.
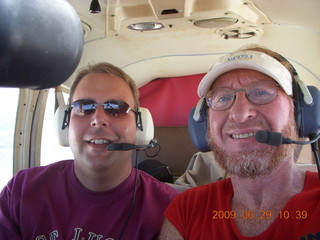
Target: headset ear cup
<point x="197" y="126"/>
<point x="61" y="118"/>
<point x="145" y="127"/>
<point x="310" y="114"/>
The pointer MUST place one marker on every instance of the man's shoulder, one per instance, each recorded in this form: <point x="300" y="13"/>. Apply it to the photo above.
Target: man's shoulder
<point x="151" y="183"/>
<point x="45" y="171"/>
<point x="311" y="181"/>
<point x="37" y="178"/>
<point x="150" y="180"/>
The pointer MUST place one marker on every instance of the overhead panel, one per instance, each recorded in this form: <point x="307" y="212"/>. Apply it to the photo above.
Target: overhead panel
<point x="227" y="18"/>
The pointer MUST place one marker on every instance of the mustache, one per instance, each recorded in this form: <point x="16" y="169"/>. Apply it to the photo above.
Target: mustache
<point x="232" y="126"/>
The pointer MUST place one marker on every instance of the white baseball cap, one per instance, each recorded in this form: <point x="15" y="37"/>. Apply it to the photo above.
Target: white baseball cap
<point x="247" y="59"/>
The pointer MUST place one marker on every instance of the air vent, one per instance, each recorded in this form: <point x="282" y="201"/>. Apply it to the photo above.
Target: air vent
<point x="240" y="33"/>
<point x="216" y="22"/>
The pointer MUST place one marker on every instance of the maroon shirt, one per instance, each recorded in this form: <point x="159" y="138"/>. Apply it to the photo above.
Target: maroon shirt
<point x="49" y="203"/>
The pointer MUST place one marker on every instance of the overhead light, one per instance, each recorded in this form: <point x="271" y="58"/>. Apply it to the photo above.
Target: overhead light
<point x="95" y="6"/>
<point x="146" y="26"/>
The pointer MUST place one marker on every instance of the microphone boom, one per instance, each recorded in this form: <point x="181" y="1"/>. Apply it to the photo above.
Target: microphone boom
<point x="129" y="146"/>
<point x="276" y="138"/>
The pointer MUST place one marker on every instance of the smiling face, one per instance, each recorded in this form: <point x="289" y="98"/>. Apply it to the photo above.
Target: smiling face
<point x="231" y="131"/>
<point x="90" y="134"/>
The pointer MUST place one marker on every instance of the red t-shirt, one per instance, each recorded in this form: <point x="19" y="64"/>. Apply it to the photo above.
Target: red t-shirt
<point x="205" y="213"/>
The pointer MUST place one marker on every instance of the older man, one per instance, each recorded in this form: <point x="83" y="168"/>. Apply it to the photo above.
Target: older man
<point x="266" y="197"/>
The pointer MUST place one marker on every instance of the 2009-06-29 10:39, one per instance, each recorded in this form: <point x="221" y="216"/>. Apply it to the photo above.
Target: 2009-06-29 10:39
<point x="283" y="214"/>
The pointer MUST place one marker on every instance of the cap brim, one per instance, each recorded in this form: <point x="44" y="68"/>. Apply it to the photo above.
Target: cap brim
<point x="260" y="62"/>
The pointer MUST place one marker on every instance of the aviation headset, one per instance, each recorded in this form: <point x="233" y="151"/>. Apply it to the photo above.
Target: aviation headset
<point x="144" y="122"/>
<point x="306" y="111"/>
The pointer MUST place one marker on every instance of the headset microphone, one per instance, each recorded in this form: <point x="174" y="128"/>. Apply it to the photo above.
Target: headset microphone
<point x="129" y="146"/>
<point x="276" y="138"/>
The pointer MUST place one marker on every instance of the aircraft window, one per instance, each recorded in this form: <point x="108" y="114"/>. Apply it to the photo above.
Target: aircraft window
<point x="8" y="97"/>
<point x="51" y="151"/>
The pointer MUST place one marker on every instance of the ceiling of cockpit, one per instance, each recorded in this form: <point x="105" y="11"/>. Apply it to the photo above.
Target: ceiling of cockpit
<point x="196" y="32"/>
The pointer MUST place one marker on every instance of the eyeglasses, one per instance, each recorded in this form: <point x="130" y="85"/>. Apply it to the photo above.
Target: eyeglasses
<point x="259" y="93"/>
<point x="114" y="108"/>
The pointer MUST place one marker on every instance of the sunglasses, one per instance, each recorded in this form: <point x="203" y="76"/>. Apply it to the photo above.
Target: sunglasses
<point x="259" y="93"/>
<point x="114" y="108"/>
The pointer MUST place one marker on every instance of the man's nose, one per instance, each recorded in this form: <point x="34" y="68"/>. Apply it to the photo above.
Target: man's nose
<point x="242" y="109"/>
<point x="99" y="118"/>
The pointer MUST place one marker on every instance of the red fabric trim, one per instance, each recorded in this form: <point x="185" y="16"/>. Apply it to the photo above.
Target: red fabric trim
<point x="170" y="100"/>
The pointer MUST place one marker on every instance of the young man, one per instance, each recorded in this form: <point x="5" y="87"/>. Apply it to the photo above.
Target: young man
<point x="266" y="197"/>
<point x="98" y="195"/>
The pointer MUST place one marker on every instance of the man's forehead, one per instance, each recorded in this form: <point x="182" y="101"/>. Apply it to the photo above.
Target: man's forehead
<point x="104" y="85"/>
